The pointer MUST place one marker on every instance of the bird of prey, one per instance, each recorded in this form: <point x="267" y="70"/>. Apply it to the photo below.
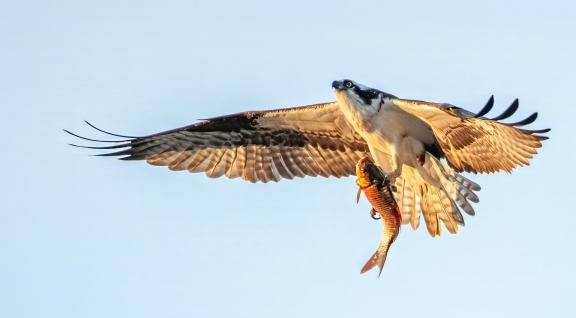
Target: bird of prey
<point x="422" y="146"/>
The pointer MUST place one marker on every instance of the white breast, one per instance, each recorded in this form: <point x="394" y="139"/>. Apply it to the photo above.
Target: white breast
<point x="394" y="136"/>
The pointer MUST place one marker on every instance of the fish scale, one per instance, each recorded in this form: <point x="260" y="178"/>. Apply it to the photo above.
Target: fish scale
<point x="378" y="192"/>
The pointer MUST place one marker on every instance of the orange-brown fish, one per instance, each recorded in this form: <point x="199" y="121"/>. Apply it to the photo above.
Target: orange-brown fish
<point x="377" y="190"/>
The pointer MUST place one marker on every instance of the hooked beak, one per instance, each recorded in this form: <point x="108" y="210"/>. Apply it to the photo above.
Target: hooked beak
<point x="338" y="85"/>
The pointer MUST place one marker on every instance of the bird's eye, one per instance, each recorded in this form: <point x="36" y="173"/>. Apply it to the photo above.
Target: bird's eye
<point x="348" y="84"/>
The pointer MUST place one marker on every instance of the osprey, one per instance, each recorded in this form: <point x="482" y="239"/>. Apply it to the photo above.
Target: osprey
<point x="407" y="139"/>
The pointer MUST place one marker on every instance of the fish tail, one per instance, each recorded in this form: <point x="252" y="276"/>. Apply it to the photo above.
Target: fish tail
<point x="377" y="259"/>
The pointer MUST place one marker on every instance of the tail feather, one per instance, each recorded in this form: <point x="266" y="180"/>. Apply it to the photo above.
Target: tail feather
<point x="459" y="189"/>
<point x="430" y="210"/>
<point x="407" y="202"/>
<point x="457" y="215"/>
<point x="447" y="215"/>
<point x="438" y="204"/>
<point x="465" y="205"/>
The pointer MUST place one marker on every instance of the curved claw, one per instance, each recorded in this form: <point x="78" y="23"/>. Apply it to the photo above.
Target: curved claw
<point x="374" y="215"/>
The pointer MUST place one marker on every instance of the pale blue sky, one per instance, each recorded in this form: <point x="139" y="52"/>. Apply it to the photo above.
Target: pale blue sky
<point x="95" y="237"/>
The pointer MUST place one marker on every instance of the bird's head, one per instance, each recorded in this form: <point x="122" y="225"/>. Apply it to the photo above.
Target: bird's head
<point x="359" y="98"/>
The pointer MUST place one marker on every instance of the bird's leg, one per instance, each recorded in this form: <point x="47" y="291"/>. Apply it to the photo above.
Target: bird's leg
<point x="421" y="159"/>
<point x="386" y="182"/>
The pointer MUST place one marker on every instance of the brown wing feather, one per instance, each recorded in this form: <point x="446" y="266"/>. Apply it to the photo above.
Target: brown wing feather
<point x="478" y="144"/>
<point x="256" y="146"/>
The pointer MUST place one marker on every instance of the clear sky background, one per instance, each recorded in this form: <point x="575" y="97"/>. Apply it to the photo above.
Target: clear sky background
<point x="83" y="236"/>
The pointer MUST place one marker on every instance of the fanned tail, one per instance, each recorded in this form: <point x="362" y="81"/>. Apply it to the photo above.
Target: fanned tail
<point x="438" y="204"/>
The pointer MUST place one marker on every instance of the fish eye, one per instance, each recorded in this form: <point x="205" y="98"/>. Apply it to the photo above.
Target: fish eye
<point x="348" y="84"/>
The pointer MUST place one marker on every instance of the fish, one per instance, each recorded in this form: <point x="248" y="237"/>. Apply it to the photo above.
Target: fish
<point x="378" y="190"/>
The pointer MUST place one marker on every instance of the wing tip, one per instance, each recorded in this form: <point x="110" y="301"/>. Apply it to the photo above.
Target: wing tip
<point x="109" y="133"/>
<point x="508" y="111"/>
<point x="487" y="107"/>
<point x="122" y="143"/>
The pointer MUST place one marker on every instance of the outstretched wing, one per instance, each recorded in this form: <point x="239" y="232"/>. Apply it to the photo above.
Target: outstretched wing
<point x="256" y="146"/>
<point x="474" y="143"/>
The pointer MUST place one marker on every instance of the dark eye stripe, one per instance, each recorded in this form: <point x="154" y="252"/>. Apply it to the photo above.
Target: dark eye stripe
<point x="366" y="95"/>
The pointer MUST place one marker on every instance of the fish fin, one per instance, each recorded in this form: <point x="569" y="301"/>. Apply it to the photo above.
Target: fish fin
<point x="358" y="194"/>
<point x="371" y="263"/>
<point x="377" y="259"/>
